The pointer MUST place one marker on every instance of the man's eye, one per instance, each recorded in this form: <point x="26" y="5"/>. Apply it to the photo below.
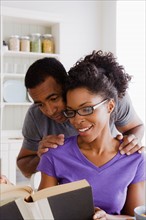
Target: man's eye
<point x="53" y="99"/>
<point x="39" y="104"/>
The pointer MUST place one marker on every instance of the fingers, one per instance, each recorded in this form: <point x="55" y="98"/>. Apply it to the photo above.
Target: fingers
<point x="99" y="214"/>
<point x="54" y="139"/>
<point x="130" y="145"/>
<point x="42" y="150"/>
<point x="4" y="179"/>
<point x="141" y="149"/>
<point x="119" y="137"/>
<point x="50" y="141"/>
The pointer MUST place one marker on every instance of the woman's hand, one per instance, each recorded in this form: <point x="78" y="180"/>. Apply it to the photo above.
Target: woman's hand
<point x="130" y="144"/>
<point x="4" y="179"/>
<point x="99" y="214"/>
<point x="50" y="141"/>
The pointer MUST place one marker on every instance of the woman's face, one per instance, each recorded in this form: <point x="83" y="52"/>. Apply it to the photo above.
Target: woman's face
<point x="90" y="126"/>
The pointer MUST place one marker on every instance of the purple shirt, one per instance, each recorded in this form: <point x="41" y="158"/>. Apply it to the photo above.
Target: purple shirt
<point x="109" y="182"/>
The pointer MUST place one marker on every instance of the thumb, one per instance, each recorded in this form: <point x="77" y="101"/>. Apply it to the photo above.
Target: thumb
<point x="119" y="137"/>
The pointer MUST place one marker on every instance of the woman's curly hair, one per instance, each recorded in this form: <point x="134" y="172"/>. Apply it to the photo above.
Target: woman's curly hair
<point x="100" y="74"/>
<point x="108" y="65"/>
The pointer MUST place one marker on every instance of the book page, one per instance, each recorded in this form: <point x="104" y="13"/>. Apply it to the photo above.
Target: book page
<point x="9" y="192"/>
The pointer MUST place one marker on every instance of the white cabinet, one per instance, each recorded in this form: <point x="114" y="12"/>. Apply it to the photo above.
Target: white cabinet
<point x="15" y="64"/>
<point x="4" y="158"/>
<point x="10" y="148"/>
<point x="11" y="143"/>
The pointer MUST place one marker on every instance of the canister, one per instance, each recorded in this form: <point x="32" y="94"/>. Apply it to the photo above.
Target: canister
<point x="14" y="43"/>
<point x="35" y="42"/>
<point x="47" y="43"/>
<point x="25" y="43"/>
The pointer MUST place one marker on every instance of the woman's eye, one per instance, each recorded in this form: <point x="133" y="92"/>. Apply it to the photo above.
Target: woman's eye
<point x="87" y="109"/>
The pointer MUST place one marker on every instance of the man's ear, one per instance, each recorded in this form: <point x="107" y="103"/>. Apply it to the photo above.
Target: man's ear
<point x="111" y="105"/>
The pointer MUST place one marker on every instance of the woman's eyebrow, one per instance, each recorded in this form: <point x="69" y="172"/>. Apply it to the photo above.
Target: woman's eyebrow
<point x="81" y="105"/>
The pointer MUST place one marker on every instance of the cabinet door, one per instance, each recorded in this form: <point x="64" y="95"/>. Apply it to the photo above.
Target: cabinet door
<point x="15" y="174"/>
<point x="14" y="149"/>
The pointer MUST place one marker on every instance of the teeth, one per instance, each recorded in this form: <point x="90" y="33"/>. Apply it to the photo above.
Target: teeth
<point x="83" y="129"/>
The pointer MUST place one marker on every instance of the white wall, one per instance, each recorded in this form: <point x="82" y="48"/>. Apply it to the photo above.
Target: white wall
<point x="131" y="49"/>
<point x="108" y="26"/>
<point x="81" y="28"/>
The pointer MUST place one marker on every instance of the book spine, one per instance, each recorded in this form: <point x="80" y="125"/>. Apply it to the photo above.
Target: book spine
<point x="35" y="210"/>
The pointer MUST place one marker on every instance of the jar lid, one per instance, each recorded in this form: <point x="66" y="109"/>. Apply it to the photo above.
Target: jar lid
<point x="36" y="34"/>
<point x="47" y="35"/>
<point x="14" y="36"/>
<point x="25" y="37"/>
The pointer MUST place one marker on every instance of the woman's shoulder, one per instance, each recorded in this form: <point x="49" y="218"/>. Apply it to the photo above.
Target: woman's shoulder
<point x="68" y="144"/>
<point x="138" y="157"/>
<point x="70" y="140"/>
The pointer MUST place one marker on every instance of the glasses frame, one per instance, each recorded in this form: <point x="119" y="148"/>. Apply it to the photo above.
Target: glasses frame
<point x="92" y="107"/>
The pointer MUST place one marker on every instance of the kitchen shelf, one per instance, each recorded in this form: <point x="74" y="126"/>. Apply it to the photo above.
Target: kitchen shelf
<point x="15" y="75"/>
<point x="17" y="103"/>
<point x="14" y="64"/>
<point x="10" y="53"/>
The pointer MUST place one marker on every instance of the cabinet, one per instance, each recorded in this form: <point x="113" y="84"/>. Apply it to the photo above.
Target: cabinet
<point x="14" y="64"/>
<point x="10" y="147"/>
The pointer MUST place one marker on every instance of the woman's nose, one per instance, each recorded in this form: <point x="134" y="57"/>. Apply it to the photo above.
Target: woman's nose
<point x="77" y="119"/>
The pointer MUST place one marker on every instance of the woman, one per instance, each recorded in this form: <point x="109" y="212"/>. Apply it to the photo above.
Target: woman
<point x="117" y="180"/>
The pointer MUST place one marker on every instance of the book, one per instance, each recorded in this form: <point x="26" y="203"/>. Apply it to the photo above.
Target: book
<point x="70" y="201"/>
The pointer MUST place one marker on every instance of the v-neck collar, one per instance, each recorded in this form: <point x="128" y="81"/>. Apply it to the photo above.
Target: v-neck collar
<point x="89" y="163"/>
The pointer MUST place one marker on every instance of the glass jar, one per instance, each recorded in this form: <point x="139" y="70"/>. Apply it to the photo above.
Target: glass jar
<point x="14" y="43"/>
<point x="35" y="42"/>
<point x="47" y="43"/>
<point x="25" y="43"/>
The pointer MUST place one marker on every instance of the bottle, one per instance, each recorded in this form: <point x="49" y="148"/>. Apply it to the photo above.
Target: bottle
<point x="25" y="43"/>
<point x="47" y="43"/>
<point x="35" y="42"/>
<point x="14" y="43"/>
<point x="5" y="46"/>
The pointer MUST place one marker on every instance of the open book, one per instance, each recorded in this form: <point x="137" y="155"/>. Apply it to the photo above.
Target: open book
<point x="70" y="201"/>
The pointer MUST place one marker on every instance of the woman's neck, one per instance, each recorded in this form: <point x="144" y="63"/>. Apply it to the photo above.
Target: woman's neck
<point x="100" y="145"/>
<point x="99" y="151"/>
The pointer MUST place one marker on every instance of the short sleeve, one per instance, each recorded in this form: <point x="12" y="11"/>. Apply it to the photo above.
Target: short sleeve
<point x="46" y="164"/>
<point x="125" y="111"/>
<point x="141" y="170"/>
<point x="30" y="132"/>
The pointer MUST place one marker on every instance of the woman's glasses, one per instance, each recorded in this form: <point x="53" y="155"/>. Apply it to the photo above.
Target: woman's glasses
<point x="82" y="111"/>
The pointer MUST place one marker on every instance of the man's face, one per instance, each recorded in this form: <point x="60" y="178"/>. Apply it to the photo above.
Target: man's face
<point x="48" y="97"/>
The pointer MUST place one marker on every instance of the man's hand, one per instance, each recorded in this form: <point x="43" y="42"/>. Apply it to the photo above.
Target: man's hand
<point x="50" y="141"/>
<point x="130" y="144"/>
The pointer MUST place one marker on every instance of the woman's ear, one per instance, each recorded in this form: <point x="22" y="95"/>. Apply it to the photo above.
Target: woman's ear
<point x="111" y="105"/>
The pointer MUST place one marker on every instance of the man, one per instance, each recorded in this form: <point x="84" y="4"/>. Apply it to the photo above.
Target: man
<point x="45" y="125"/>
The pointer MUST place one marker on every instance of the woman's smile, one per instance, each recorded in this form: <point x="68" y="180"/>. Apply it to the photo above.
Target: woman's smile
<point x="85" y="130"/>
